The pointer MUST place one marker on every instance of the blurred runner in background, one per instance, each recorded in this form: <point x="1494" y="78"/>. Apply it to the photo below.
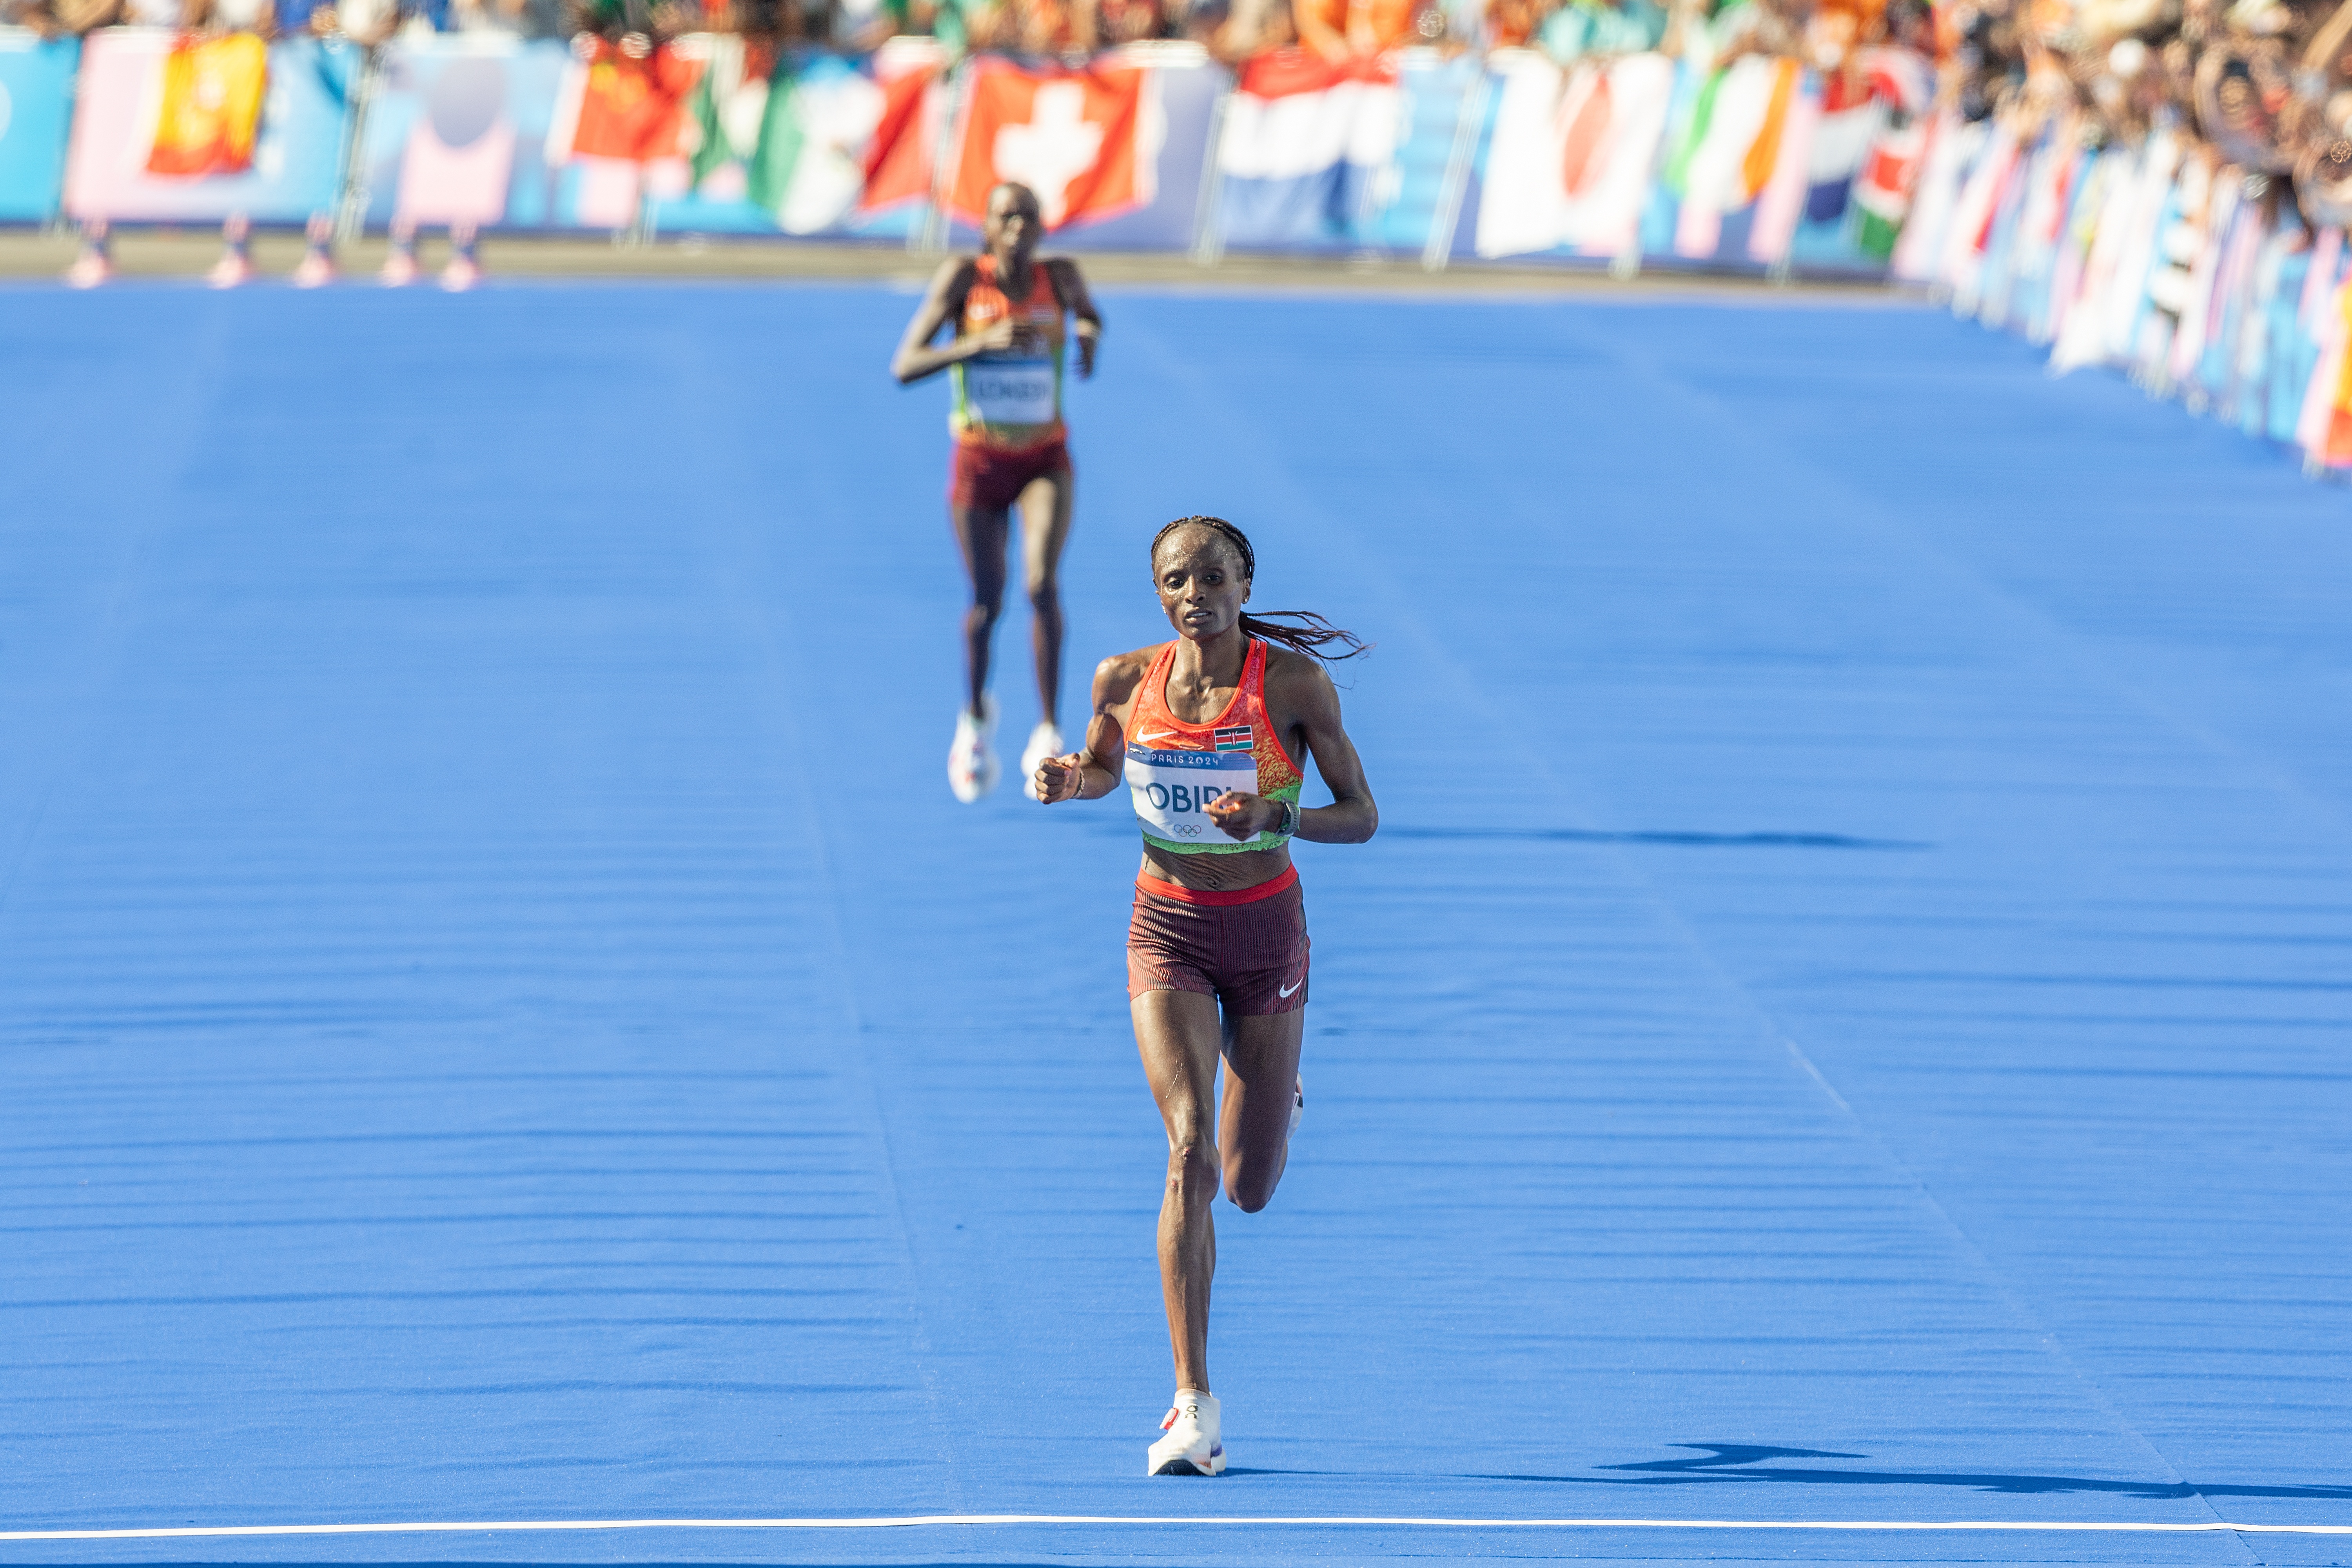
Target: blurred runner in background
<point x="1007" y="307"/>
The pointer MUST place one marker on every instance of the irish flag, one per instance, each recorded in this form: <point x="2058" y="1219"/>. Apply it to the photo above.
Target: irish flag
<point x="1744" y="154"/>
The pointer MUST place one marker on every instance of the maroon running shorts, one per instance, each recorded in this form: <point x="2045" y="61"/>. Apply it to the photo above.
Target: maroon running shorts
<point x="1247" y="949"/>
<point x="985" y="478"/>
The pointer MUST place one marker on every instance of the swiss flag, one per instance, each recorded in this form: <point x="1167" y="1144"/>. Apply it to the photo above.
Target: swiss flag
<point x="1077" y="138"/>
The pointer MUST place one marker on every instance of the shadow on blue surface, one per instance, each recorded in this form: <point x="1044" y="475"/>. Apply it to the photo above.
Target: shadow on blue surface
<point x="1718" y="1462"/>
<point x="1678" y="840"/>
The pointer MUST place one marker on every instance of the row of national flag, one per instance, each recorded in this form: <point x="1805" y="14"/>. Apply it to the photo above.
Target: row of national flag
<point x="1637" y="153"/>
<point x="2144" y="257"/>
<point x="819" y="141"/>
<point x="1645" y="154"/>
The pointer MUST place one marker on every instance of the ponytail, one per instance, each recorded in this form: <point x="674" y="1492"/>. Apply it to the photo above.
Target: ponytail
<point x="1307" y="637"/>
<point x="1306" y="632"/>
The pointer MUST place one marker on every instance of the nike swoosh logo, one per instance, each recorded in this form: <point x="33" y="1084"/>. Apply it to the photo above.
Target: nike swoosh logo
<point x="1156" y="740"/>
<point x="1292" y="988"/>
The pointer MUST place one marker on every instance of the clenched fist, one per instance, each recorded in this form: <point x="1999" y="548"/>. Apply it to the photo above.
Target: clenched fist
<point x="1060" y="778"/>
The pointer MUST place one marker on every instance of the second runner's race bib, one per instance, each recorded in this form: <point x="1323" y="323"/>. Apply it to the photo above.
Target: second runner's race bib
<point x="1172" y="790"/>
<point x="1010" y="391"/>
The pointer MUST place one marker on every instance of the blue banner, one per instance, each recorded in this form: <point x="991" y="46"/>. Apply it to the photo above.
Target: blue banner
<point x="36" y="85"/>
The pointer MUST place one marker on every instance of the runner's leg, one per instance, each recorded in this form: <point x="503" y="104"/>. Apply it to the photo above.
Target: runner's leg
<point x="1046" y="510"/>
<point x="1177" y="1034"/>
<point x="981" y="533"/>
<point x="1261" y="1082"/>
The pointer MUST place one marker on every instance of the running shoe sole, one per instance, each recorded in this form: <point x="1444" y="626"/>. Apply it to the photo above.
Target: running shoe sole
<point x="1181" y="1466"/>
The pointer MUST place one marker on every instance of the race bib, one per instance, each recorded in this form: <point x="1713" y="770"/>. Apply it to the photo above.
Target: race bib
<point x="1010" y="391"/>
<point x="1172" y="790"/>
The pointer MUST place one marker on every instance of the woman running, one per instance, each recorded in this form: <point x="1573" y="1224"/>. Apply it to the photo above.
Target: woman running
<point x="1206" y="732"/>
<point x="1007" y="307"/>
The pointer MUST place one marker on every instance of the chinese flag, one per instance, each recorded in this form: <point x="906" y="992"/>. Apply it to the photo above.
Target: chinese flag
<point x="1071" y="136"/>
<point x="211" y="107"/>
<point x="633" y="108"/>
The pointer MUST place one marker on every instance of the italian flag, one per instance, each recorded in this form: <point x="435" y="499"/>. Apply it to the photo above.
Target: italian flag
<point x="817" y="139"/>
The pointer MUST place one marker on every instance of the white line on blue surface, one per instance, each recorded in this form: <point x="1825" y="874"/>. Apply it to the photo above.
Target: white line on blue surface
<point x="903" y="1521"/>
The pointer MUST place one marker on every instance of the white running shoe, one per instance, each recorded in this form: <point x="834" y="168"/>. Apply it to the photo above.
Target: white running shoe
<point x="972" y="758"/>
<point x="1194" y="1445"/>
<point x="1045" y="740"/>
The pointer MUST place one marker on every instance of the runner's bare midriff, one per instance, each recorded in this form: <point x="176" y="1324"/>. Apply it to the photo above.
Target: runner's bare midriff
<point x="1217" y="873"/>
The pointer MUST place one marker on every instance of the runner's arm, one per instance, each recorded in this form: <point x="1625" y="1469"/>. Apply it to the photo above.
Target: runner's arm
<point x="1297" y="686"/>
<point x="942" y="302"/>
<point x="1072" y="287"/>
<point x="1095" y="770"/>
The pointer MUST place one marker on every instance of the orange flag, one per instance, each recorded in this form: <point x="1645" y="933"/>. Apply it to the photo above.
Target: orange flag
<point x="899" y="159"/>
<point x="1756" y="169"/>
<point x="2335" y="443"/>
<point x="1071" y="136"/>
<point x="211" y="106"/>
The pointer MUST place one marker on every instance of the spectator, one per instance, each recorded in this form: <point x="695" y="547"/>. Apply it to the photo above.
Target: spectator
<point x="1514" y="24"/>
<point x="514" y="18"/>
<point x="1774" y="27"/>
<point x="1254" y="27"/>
<point x="1344" y="29"/>
<point x="1604" y="27"/>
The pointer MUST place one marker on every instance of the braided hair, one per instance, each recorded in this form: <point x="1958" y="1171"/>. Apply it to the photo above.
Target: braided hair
<point x="1307" y="632"/>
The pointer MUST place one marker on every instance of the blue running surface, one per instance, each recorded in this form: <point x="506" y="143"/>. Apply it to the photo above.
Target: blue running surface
<point x="1846" y="1017"/>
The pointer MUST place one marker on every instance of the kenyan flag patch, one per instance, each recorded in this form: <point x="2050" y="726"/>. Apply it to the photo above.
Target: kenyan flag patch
<point x="1232" y="738"/>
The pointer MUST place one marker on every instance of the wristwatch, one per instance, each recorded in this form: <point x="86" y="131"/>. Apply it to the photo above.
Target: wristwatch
<point x="1289" y="823"/>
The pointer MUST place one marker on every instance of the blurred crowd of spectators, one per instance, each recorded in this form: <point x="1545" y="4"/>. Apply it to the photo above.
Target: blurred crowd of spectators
<point x="2263" y="87"/>
<point x="2269" y="81"/>
<point x="1231" y="29"/>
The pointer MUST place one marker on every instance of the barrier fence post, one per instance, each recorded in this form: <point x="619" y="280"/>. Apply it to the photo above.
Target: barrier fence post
<point x="1454" y="189"/>
<point x="930" y="235"/>
<point x="350" y="196"/>
<point x="1208" y="221"/>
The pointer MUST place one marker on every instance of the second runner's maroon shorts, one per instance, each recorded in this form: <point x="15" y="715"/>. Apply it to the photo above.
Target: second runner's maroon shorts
<point x="1247" y="949"/>
<point x="985" y="477"/>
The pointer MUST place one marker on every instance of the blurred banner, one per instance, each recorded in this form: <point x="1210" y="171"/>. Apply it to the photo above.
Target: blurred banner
<point x="457" y="132"/>
<point x="813" y="144"/>
<point x="164" y="131"/>
<point x="1146" y="147"/>
<point x="1568" y="164"/>
<point x="36" y="93"/>
<point x="1306" y="143"/>
<point x="2204" y="281"/>
<point x="1865" y="153"/>
<point x="1738" y="144"/>
<point x="702" y="136"/>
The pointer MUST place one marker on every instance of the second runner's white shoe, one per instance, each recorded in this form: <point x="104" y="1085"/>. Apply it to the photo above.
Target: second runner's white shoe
<point x="1045" y="740"/>
<point x="1195" y="1445"/>
<point x="971" y="757"/>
